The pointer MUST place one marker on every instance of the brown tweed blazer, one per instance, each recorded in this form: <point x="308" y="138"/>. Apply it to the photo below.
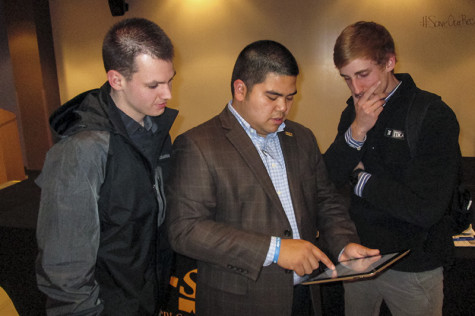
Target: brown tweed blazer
<point x="223" y="209"/>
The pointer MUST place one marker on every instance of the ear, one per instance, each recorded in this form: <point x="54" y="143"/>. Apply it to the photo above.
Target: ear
<point x="391" y="63"/>
<point x="240" y="90"/>
<point x="116" y="80"/>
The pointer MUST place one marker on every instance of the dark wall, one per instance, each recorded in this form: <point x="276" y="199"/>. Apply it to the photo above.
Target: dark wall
<point x="7" y="88"/>
<point x="30" y="53"/>
<point x="468" y="164"/>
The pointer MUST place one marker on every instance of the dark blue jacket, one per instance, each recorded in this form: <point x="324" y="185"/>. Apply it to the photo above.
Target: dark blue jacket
<point x="406" y="195"/>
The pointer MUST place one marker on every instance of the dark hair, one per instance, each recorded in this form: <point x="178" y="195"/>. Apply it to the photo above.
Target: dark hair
<point x="130" y="38"/>
<point x="258" y="59"/>
<point x="363" y="40"/>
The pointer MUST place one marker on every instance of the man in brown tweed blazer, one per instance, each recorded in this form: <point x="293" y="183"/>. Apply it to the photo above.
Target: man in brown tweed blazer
<point x="249" y="196"/>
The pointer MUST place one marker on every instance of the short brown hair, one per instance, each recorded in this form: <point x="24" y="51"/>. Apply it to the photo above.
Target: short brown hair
<point x="362" y="39"/>
<point x="131" y="37"/>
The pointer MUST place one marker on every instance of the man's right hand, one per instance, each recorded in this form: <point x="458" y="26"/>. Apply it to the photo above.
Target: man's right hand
<point x="301" y="256"/>
<point x="367" y="108"/>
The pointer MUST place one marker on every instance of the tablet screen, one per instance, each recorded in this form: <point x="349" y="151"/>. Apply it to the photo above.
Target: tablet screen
<point x="356" y="268"/>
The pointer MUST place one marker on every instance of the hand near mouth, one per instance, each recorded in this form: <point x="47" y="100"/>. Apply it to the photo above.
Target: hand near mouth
<point x="368" y="106"/>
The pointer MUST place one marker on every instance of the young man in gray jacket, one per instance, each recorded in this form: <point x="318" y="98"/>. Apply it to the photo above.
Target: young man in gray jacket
<point x="101" y="246"/>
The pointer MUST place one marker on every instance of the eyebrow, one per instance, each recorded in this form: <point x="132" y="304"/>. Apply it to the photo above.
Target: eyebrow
<point x="162" y="82"/>
<point x="271" y="92"/>
<point x="356" y="73"/>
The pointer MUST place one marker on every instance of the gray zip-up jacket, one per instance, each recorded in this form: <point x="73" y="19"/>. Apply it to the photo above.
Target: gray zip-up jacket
<point x="100" y="242"/>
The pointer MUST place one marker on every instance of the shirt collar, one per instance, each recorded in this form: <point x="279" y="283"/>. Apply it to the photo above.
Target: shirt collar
<point x="133" y="126"/>
<point x="386" y="99"/>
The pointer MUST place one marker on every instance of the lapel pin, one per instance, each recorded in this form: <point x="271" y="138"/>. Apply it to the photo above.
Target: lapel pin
<point x="289" y="134"/>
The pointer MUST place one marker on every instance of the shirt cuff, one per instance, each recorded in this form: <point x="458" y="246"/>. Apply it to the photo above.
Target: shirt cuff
<point x="270" y="252"/>
<point x="351" y="141"/>
<point x="341" y="252"/>
<point x="363" y="177"/>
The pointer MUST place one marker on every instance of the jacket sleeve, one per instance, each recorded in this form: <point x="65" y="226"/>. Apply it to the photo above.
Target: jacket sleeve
<point x="422" y="193"/>
<point x="68" y="230"/>
<point x="335" y="226"/>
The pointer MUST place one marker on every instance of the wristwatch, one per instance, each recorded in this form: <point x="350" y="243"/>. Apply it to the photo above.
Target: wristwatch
<point x="355" y="176"/>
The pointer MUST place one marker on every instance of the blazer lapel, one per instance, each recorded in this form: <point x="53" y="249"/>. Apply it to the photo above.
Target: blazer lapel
<point x="243" y="144"/>
<point x="289" y="146"/>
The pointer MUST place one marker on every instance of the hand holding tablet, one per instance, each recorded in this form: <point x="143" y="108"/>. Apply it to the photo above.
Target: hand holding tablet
<point x="355" y="269"/>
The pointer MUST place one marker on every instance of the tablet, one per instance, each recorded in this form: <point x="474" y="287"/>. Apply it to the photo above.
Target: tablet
<point x="355" y="269"/>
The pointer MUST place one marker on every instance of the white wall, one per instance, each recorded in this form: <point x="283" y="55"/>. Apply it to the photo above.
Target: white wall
<point x="209" y="34"/>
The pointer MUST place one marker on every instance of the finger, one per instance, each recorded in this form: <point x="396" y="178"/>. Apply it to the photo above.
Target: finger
<point x="300" y="270"/>
<point x="379" y="108"/>
<point x="310" y="263"/>
<point x="374" y="259"/>
<point x="307" y="267"/>
<point x="359" y="166"/>
<point x="314" y="264"/>
<point x="381" y="96"/>
<point x="368" y="93"/>
<point x="324" y="259"/>
<point x="372" y="252"/>
<point x="363" y="251"/>
<point x="353" y="250"/>
<point x="376" y="103"/>
<point x="334" y="274"/>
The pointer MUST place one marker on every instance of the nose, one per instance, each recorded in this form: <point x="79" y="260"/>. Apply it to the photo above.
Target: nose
<point x="166" y="92"/>
<point x="355" y="87"/>
<point x="283" y="105"/>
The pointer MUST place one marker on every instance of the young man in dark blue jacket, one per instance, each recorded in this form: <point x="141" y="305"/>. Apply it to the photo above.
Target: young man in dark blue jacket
<point x="399" y="196"/>
<point x="101" y="245"/>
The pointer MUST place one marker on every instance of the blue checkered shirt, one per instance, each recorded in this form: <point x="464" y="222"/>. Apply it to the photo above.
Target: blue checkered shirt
<point x="270" y="151"/>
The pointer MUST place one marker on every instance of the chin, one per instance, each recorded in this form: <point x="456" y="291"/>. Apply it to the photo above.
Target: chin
<point x="158" y="113"/>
